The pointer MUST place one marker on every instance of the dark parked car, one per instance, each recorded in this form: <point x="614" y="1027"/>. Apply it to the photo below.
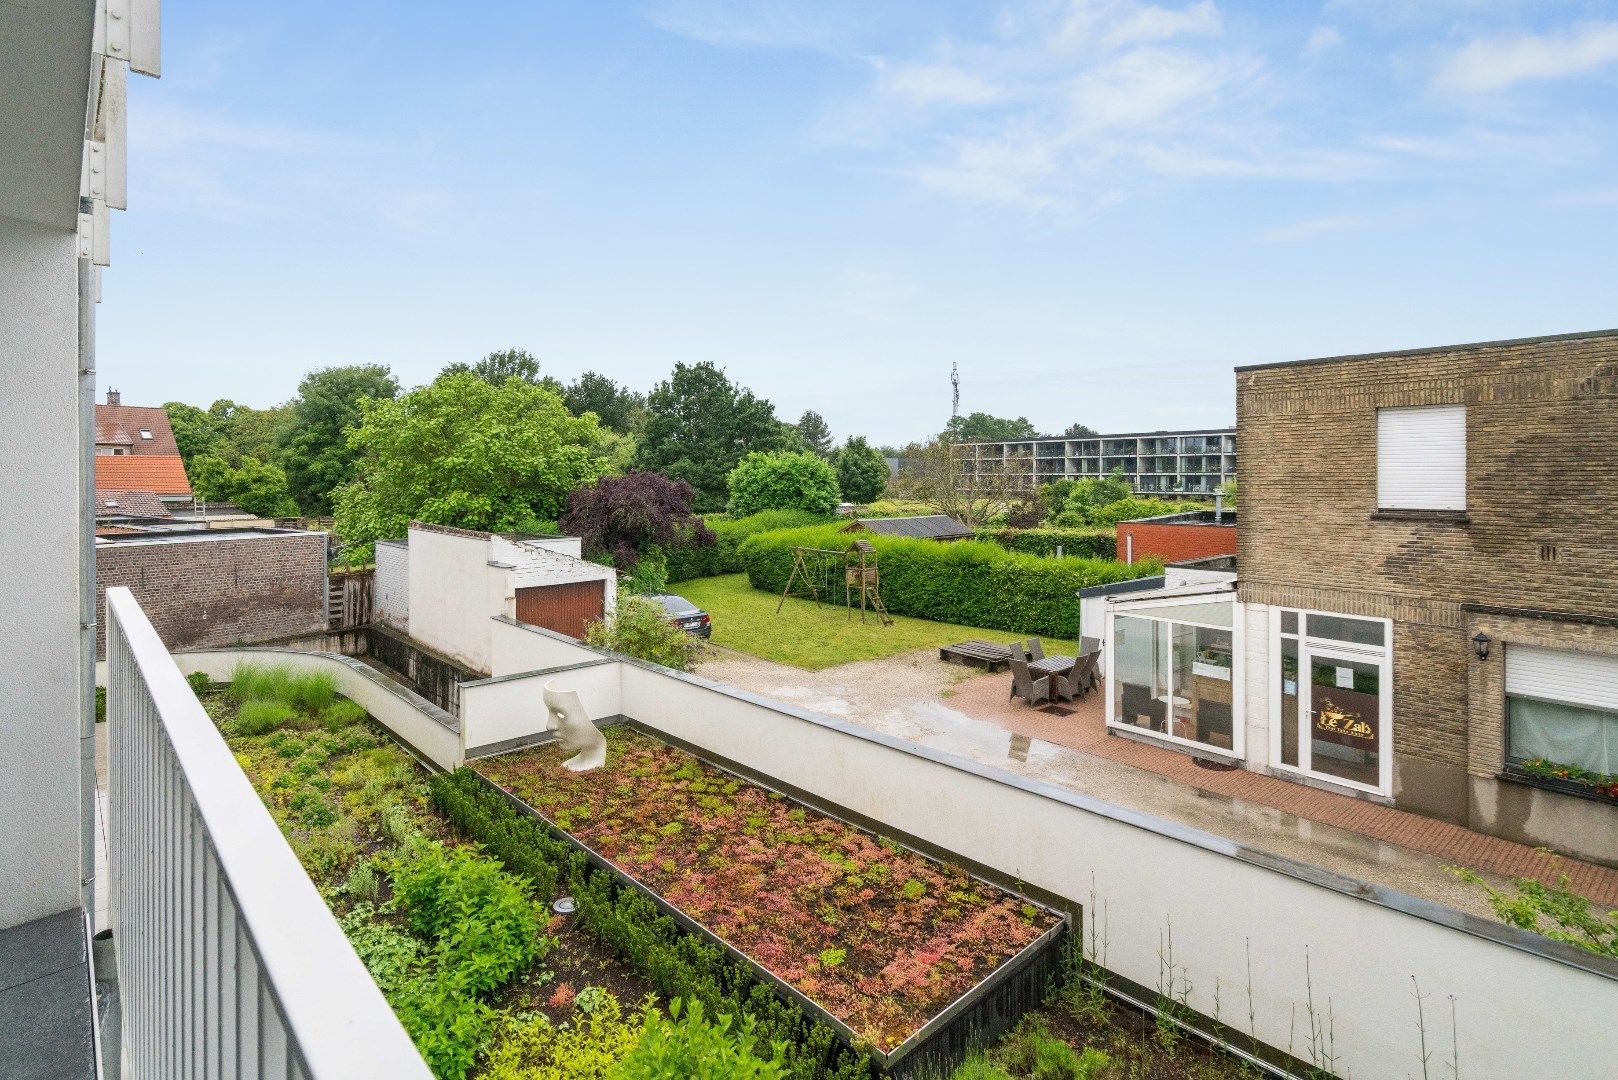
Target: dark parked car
<point x="686" y="615"/>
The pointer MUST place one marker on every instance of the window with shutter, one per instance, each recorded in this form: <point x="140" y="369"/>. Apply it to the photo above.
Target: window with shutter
<point x="1562" y="709"/>
<point x="1421" y="458"/>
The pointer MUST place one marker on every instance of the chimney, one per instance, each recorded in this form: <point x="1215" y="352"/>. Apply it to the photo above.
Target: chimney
<point x="114" y="397"/>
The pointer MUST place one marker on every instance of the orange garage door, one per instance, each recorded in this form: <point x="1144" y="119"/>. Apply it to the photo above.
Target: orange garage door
<point x="566" y="608"/>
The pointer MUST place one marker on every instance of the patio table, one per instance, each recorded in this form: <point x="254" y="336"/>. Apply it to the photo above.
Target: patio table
<point x="1053" y="665"/>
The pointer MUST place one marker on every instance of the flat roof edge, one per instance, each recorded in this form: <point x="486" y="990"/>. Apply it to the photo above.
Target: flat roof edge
<point x="1429" y="350"/>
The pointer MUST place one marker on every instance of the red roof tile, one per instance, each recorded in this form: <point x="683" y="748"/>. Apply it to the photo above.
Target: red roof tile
<point x="140" y="472"/>
<point x="121" y="425"/>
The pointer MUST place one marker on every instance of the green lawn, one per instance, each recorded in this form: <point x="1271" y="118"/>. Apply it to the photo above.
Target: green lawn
<point x="815" y="636"/>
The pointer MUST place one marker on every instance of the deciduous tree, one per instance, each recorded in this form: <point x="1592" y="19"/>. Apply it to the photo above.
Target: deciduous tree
<point x="315" y="452"/>
<point x="466" y="452"/>
<point x="783" y="481"/>
<point x="617" y="407"/>
<point x="629" y="516"/>
<point x="982" y="427"/>
<point x="699" y="426"/>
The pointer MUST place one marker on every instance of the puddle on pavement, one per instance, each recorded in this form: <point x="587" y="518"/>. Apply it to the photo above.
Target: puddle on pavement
<point x="936" y="725"/>
<point x="810" y="698"/>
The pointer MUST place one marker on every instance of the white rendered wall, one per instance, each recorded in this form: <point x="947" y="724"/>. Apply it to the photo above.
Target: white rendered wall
<point x="1520" y="1013"/>
<point x="40" y="709"/>
<point x="452" y="588"/>
<point x="1256" y="672"/>
<point x="516" y="648"/>
<point x="501" y="709"/>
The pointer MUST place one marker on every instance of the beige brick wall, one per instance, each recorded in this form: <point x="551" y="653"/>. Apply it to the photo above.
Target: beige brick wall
<point x="220" y="591"/>
<point x="1542" y="470"/>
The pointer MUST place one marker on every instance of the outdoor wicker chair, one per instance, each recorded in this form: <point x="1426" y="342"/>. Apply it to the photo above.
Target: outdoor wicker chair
<point x="1079" y="678"/>
<point x="1024" y="685"/>
<point x="1036" y="649"/>
<point x="1089" y="645"/>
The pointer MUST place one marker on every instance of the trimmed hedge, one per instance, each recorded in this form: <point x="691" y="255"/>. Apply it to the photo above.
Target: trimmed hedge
<point x="721" y="557"/>
<point x="970" y="582"/>
<point x="1084" y="543"/>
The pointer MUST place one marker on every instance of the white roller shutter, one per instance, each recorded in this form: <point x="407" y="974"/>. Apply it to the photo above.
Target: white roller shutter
<point x="1421" y="458"/>
<point x="1573" y="678"/>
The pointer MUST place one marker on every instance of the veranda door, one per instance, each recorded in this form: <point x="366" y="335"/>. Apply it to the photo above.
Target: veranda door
<point x="1344" y="717"/>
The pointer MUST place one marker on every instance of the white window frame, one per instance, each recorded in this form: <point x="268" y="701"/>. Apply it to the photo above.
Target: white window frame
<point x="1346" y="650"/>
<point x="1454" y="502"/>
<point x="1238" y="689"/>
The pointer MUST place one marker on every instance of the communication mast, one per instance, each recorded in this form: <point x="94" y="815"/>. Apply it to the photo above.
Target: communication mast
<point x="955" y="386"/>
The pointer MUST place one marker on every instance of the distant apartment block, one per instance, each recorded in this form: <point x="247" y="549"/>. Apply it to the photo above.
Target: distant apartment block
<point x="1154" y="462"/>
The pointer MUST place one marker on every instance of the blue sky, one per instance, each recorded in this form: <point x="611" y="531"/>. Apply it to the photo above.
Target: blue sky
<point x="1095" y="207"/>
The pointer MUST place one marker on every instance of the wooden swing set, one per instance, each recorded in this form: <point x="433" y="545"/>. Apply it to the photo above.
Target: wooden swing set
<point x="860" y="575"/>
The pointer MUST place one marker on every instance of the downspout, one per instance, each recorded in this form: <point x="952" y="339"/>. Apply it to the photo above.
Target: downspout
<point x="1129" y="549"/>
<point x="87" y="586"/>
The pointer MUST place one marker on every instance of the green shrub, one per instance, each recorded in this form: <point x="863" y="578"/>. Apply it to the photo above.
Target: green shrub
<point x="676" y="963"/>
<point x="687" y="1044"/>
<point x="342" y="713"/>
<point x="722" y="556"/>
<point x="101" y="703"/>
<point x="1554" y="911"/>
<point x="587" y="1048"/>
<point x="312" y="691"/>
<point x="971" y="583"/>
<point x="651" y="575"/>
<point x="1032" y="1051"/>
<point x="259" y="717"/>
<point x="1081" y="543"/>
<point x="641" y="628"/>
<point x="782" y="480"/>
<point x="1137" y="507"/>
<point x="199" y="682"/>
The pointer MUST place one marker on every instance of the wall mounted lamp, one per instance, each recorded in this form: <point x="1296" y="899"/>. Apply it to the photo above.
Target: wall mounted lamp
<point x="1480" y="645"/>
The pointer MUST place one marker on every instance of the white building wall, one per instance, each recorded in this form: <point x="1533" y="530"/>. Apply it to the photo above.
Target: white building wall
<point x="40" y="696"/>
<point x="1256" y="673"/>
<point x="452" y="588"/>
<point x="390" y="594"/>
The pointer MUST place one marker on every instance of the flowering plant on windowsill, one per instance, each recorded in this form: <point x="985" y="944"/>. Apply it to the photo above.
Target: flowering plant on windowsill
<point x="1601" y="783"/>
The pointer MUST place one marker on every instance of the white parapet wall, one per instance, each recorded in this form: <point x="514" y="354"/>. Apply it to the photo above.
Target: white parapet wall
<point x="1241" y="921"/>
<point x="515" y="648"/>
<point x="498" y="712"/>
<point x="429" y="730"/>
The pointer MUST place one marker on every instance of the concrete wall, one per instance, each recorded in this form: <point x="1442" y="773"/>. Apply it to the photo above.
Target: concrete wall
<point x="1525" y="1006"/>
<point x="501" y="709"/>
<point x="453" y="591"/>
<point x="41" y="708"/>
<point x="209" y="590"/>
<point x="517" y="648"/>
<point x="415" y="720"/>
<point x="391" y="589"/>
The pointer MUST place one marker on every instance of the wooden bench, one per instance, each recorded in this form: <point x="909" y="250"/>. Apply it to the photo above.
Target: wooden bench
<point x="984" y="654"/>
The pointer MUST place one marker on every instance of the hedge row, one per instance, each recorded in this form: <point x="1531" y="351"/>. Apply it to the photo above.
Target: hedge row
<point x="676" y="963"/>
<point x="1085" y="543"/>
<point x="720" y="557"/>
<point x="970" y="582"/>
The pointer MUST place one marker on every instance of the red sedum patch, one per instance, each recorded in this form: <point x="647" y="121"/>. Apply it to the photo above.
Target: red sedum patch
<point x="879" y="936"/>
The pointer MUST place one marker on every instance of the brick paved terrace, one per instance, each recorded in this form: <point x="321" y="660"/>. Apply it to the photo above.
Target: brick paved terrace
<point x="965" y="712"/>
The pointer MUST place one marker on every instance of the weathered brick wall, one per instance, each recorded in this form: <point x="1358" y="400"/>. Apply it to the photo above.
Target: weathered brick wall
<point x="220" y="590"/>
<point x="1175" y="543"/>
<point x="1542" y="472"/>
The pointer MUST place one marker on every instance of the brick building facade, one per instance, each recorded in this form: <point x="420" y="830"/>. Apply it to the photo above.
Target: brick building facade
<point x="1178" y="537"/>
<point x="1529" y="559"/>
<point x="219" y="587"/>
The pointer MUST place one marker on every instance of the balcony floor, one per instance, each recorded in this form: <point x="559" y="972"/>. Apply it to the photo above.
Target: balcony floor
<point x="45" y="1019"/>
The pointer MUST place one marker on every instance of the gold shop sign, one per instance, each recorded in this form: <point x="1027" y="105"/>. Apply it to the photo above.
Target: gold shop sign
<point x="1333" y="720"/>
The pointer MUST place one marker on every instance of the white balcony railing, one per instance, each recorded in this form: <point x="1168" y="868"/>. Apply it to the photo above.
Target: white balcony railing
<point x="229" y="962"/>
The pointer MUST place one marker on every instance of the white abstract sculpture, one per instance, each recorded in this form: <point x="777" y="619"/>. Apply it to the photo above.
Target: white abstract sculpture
<point x="574" y="730"/>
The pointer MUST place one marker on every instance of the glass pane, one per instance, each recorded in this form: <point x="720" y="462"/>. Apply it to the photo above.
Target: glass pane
<point x="1289" y="702"/>
<point x="1346" y="716"/>
<point x="1289" y="622"/>
<point x="1138" y="671"/>
<point x="1563" y="734"/>
<point x="1216" y="613"/>
<point x="1201" y="706"/>
<point x="1342" y="628"/>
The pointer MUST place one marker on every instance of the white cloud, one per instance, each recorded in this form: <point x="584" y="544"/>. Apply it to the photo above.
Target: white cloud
<point x="1311" y="228"/>
<point x="1117" y="23"/>
<point x="1324" y="39"/>
<point x="1496" y="63"/>
<point x="777" y="24"/>
<point x="936" y="84"/>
